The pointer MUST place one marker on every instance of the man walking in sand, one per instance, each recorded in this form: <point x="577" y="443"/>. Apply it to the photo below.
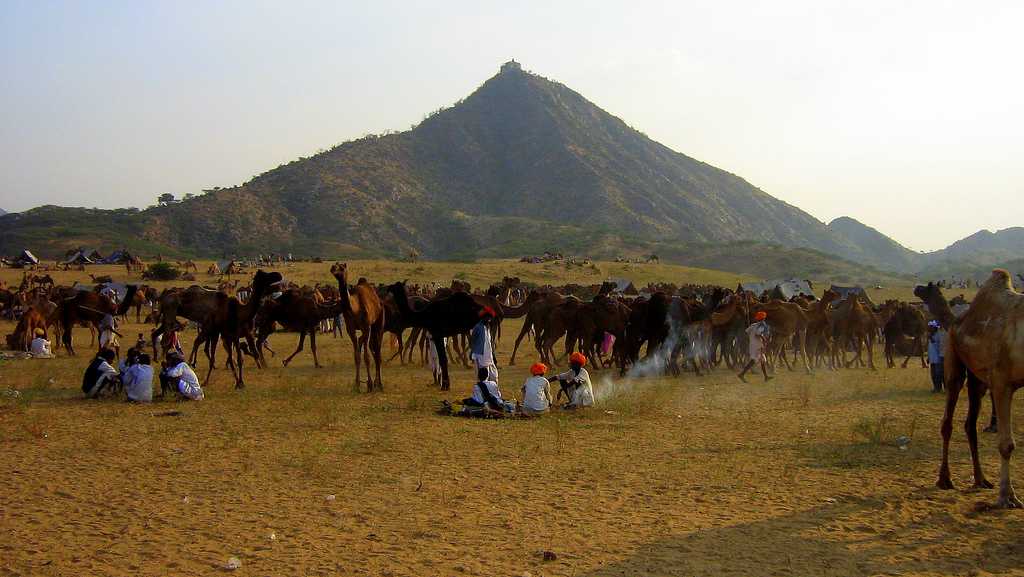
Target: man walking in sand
<point x="758" y="335"/>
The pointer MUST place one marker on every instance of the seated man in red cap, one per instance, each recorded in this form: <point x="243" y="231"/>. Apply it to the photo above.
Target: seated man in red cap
<point x="536" y="392"/>
<point x="575" y="383"/>
<point x="758" y="335"/>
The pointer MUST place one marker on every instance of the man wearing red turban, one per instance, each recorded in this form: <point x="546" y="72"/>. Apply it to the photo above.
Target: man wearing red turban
<point x="757" y="333"/>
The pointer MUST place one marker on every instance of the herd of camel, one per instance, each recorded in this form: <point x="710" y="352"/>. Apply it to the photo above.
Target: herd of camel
<point x="701" y="326"/>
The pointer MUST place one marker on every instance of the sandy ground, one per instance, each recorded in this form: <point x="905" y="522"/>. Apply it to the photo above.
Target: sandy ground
<point x="301" y="475"/>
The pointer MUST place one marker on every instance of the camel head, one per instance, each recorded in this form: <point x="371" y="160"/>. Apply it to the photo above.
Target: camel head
<point x="265" y="280"/>
<point x="339" y="270"/>
<point x="927" y="292"/>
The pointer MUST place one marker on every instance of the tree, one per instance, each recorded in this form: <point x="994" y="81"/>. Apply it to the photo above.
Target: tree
<point x="189" y="196"/>
<point x="165" y="199"/>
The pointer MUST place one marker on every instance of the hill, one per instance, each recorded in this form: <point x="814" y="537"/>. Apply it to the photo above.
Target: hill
<point x="880" y="249"/>
<point x="521" y="154"/>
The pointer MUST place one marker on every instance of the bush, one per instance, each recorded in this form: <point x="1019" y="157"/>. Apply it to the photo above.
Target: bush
<point x="162" y="271"/>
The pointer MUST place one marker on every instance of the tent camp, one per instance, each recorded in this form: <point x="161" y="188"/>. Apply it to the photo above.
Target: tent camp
<point x="783" y="289"/>
<point x="625" y="286"/>
<point x="789" y="288"/>
<point x="845" y="291"/>
<point x="26" y="258"/>
<point x="78" y="258"/>
<point x="93" y="254"/>
<point x="117" y="257"/>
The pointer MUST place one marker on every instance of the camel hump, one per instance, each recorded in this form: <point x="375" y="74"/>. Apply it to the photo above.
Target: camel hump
<point x="1000" y="279"/>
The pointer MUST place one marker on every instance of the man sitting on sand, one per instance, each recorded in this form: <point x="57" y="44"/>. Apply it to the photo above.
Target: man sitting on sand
<point x="138" y="380"/>
<point x="100" y="374"/>
<point x="575" y="383"/>
<point x="487" y="394"/>
<point x="180" y="378"/>
<point x="536" y="392"/>
<point x="40" y="347"/>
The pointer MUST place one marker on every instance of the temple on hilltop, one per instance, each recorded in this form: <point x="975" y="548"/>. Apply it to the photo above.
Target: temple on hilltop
<point x="511" y="65"/>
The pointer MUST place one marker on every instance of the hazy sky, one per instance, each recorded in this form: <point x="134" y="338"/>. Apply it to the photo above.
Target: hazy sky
<point x="904" y="115"/>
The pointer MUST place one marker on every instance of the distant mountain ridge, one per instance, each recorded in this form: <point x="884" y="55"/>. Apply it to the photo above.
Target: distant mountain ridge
<point x="521" y="165"/>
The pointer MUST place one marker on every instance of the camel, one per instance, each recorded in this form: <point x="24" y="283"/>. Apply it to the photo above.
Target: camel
<point x="363" y="312"/>
<point x="985" y="347"/>
<point x="906" y="321"/>
<point x="44" y="280"/>
<point x="188" y="265"/>
<point x="538" y="307"/>
<point x="232" y="321"/>
<point x="820" y="329"/>
<point x="855" y="325"/>
<point x="788" y="323"/>
<point x="297" y="312"/>
<point x="443" y="317"/>
<point x="89" y="307"/>
<point x="214" y="270"/>
<point x="30" y="320"/>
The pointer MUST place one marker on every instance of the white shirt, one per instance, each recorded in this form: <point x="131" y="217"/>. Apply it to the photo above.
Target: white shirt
<point x="584" y="395"/>
<point x="755" y="332"/>
<point x="536" y="395"/>
<point x="188" y="383"/>
<point x="40" y="347"/>
<point x="138" y="382"/>
<point x="492" y="387"/>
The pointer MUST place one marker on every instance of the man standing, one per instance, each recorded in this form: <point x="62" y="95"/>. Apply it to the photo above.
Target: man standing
<point x="480" y="344"/>
<point x="757" y="333"/>
<point x="936" y="354"/>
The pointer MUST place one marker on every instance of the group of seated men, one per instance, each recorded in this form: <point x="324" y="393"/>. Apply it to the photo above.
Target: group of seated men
<point x="134" y="375"/>
<point x="574" y="384"/>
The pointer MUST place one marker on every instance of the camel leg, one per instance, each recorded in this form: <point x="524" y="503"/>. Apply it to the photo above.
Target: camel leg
<point x="355" y="350"/>
<point x="975" y="392"/>
<point x="954" y="381"/>
<point x="993" y="423"/>
<point x="527" y="325"/>
<point x="1003" y="394"/>
<point x="211" y="356"/>
<point x="376" y="338"/>
<point x="302" y="341"/>
<point x="364" y="347"/>
<point x="870" y="345"/>
<point x="312" y="347"/>
<point x="233" y="344"/>
<point x="442" y="359"/>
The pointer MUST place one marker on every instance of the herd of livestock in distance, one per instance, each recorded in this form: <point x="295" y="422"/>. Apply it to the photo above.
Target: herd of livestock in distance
<point x="686" y="327"/>
<point x="690" y="327"/>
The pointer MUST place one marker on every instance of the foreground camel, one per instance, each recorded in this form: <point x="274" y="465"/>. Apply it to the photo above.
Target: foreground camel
<point x="363" y="312"/>
<point x="985" y="347"/>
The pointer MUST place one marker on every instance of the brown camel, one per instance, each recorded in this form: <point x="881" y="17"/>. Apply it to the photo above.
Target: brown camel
<point x="297" y="312"/>
<point x="363" y="312"/>
<point x="820" y="330"/>
<point x="855" y="325"/>
<point x="89" y="307"/>
<point x="231" y="322"/>
<point x="985" y="347"/>
<point x="30" y="320"/>
<point x="788" y="324"/>
<point x="905" y="322"/>
<point x="538" y="306"/>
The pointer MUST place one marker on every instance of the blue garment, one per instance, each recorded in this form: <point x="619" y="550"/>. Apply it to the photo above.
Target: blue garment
<point x="480" y="340"/>
<point x="937" y="346"/>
